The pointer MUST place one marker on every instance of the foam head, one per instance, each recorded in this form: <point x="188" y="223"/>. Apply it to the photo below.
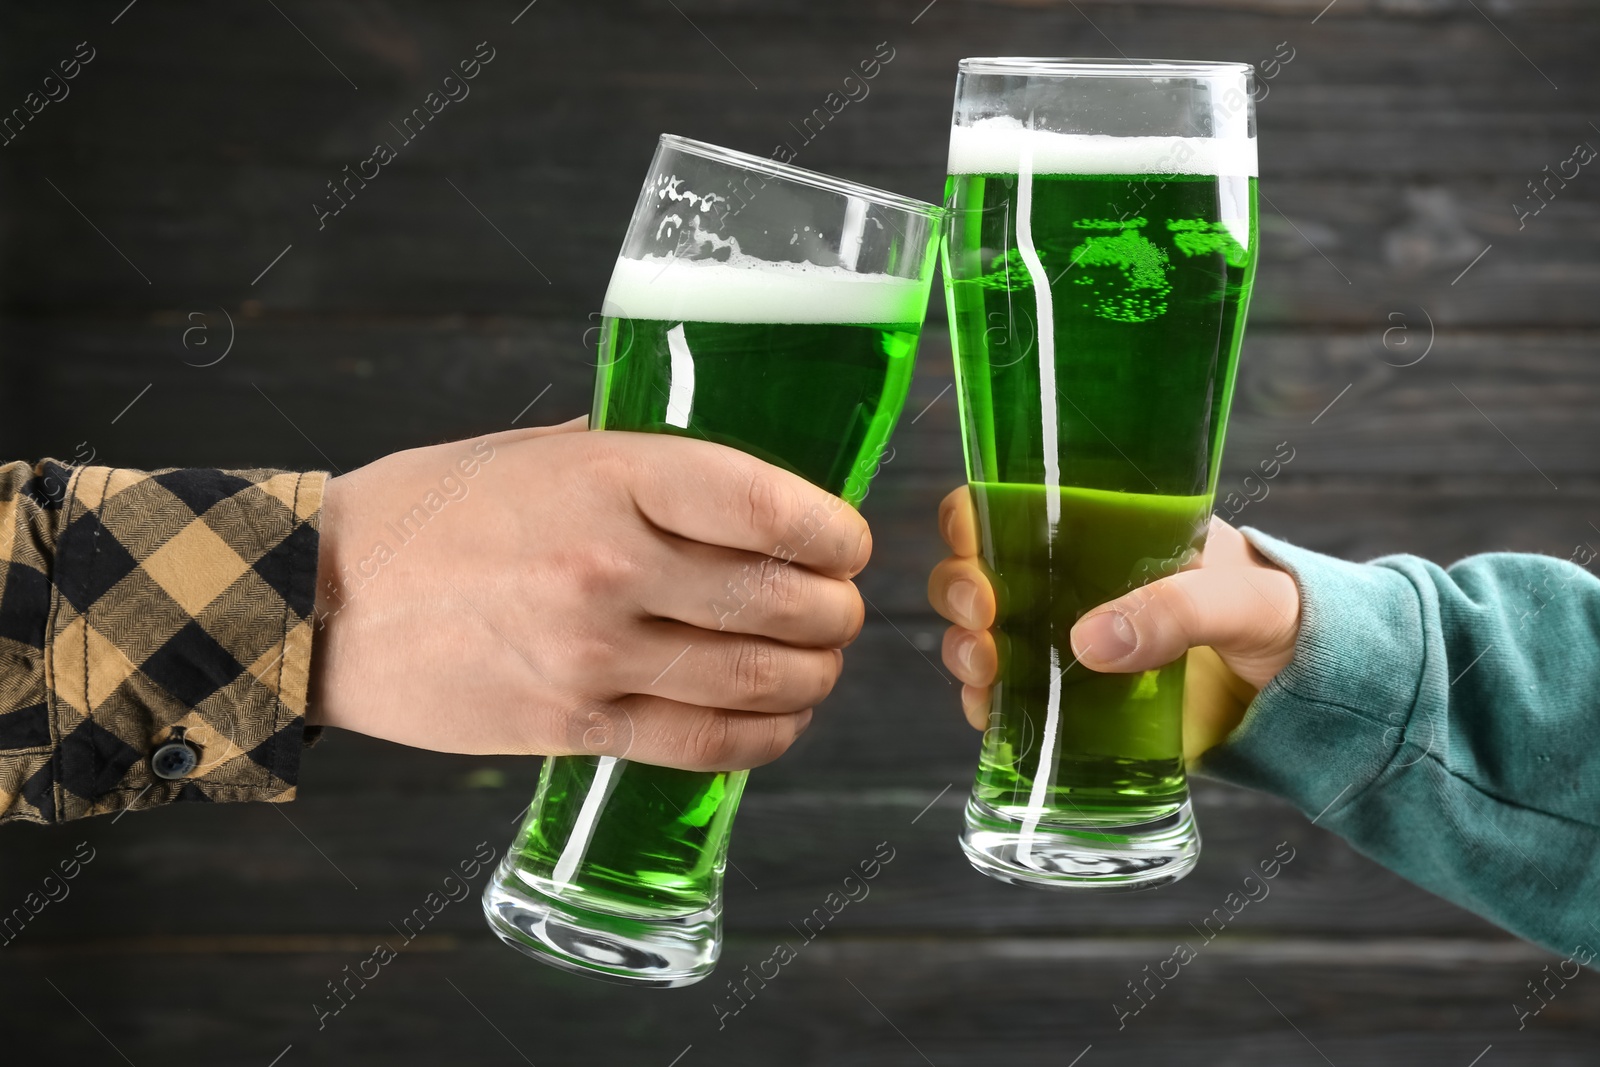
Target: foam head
<point x="1003" y="145"/>
<point x="743" y="289"/>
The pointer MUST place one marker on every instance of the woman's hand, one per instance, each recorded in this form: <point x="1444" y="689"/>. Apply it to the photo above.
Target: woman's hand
<point x="558" y="591"/>
<point x="1233" y="612"/>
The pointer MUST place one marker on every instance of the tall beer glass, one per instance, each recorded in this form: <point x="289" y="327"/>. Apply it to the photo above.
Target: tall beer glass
<point x="1098" y="263"/>
<point x="756" y="305"/>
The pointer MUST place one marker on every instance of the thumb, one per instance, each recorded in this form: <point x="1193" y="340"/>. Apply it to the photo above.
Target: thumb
<point x="1249" y="616"/>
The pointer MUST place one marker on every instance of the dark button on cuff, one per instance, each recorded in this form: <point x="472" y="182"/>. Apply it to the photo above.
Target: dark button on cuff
<point x="174" y="760"/>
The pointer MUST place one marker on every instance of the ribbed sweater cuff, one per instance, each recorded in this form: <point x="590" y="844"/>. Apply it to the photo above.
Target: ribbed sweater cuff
<point x="1329" y="723"/>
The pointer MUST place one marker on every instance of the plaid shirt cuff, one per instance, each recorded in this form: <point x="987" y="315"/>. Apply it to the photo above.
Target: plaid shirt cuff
<point x="134" y="603"/>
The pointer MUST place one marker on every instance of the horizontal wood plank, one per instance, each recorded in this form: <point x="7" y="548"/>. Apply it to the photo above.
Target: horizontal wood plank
<point x="1386" y="458"/>
<point x="841" y="1000"/>
<point x="1396" y="145"/>
<point x="345" y="391"/>
<point x="1333" y="252"/>
<point x="363" y="852"/>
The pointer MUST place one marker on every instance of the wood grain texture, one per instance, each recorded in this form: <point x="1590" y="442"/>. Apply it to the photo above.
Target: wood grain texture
<point x="351" y="389"/>
<point x="843" y="1000"/>
<point x="1395" y="145"/>
<point x="365" y="857"/>
<point x="1333" y="251"/>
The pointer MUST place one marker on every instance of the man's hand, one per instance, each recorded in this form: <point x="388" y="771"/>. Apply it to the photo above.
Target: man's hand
<point x="563" y="591"/>
<point x="1233" y="612"/>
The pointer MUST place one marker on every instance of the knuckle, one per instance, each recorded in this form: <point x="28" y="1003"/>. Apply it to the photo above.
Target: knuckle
<point x="573" y="723"/>
<point x="603" y="569"/>
<point x="709" y="744"/>
<point x="764" y="503"/>
<point x="782" y="592"/>
<point x="599" y="728"/>
<point x="1174" y="606"/>
<point x="757" y="671"/>
<point x="591" y="658"/>
<point x="776" y="737"/>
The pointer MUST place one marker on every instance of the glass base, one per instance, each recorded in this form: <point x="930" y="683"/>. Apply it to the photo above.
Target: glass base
<point x="652" y="952"/>
<point x="1112" y="858"/>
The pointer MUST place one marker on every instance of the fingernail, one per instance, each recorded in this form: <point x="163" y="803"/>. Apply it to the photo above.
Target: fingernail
<point x="963" y="597"/>
<point x="947" y="527"/>
<point x="964" y="649"/>
<point x="975" y="705"/>
<point x="805" y="722"/>
<point x="863" y="554"/>
<point x="1106" y="638"/>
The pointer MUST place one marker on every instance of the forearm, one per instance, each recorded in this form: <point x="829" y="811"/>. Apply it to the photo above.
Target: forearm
<point x="1445" y="723"/>
<point x="136" y="605"/>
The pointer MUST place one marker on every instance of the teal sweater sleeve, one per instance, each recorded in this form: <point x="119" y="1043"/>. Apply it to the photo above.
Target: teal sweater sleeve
<point x="1446" y="722"/>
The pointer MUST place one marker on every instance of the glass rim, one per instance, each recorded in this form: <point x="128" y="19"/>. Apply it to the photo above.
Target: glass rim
<point x="815" y="179"/>
<point x="1068" y="66"/>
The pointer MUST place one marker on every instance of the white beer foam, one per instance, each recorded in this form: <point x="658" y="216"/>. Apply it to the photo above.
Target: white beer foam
<point x="743" y="289"/>
<point x="997" y="146"/>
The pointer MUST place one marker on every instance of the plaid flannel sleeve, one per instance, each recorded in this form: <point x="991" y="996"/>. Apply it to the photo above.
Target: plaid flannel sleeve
<point x="136" y="606"/>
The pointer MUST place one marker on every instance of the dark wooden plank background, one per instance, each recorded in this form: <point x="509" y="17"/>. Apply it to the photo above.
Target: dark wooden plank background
<point x="188" y="155"/>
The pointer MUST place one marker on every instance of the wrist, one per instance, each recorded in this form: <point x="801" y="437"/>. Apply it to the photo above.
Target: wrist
<point x="330" y="598"/>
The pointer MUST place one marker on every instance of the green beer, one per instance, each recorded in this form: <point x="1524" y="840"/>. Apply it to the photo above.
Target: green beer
<point x="819" y="398"/>
<point x="657" y="850"/>
<point x="1096" y="319"/>
<point x="773" y="310"/>
<point x="1118" y="745"/>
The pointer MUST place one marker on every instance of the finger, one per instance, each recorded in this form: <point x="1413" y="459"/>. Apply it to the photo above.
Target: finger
<point x="736" y="592"/>
<point x="1225" y="547"/>
<point x="971" y="655"/>
<point x="1246" y="612"/>
<point x="721" y="670"/>
<point x="669" y="733"/>
<point x="975" y="705"/>
<point x="958" y="523"/>
<point x="959" y="590"/>
<point x="1214" y="702"/>
<point x="721" y="496"/>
